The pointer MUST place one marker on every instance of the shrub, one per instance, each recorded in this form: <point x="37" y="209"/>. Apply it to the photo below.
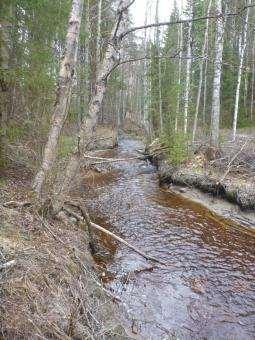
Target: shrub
<point x="177" y="146"/>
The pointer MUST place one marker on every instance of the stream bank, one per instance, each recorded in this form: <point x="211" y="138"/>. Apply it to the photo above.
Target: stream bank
<point x="227" y="193"/>
<point x="207" y="288"/>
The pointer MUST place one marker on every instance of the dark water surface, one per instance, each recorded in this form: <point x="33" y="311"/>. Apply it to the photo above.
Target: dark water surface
<point x="206" y="292"/>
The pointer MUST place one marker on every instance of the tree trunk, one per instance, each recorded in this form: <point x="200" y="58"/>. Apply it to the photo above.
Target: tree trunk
<point x="5" y="50"/>
<point x="201" y="68"/>
<point x="157" y="40"/>
<point x="219" y="40"/>
<point x="252" y="81"/>
<point x="66" y="75"/>
<point x="180" y="45"/>
<point x="88" y="125"/>
<point x="99" y="22"/>
<point x="188" y="70"/>
<point x="239" y="76"/>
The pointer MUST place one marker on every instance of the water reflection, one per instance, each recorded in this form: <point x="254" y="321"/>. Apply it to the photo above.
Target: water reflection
<point x="207" y="291"/>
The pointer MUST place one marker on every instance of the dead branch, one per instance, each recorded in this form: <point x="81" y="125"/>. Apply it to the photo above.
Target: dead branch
<point x="86" y="218"/>
<point x="110" y="160"/>
<point x="183" y="21"/>
<point x="231" y="161"/>
<point x="16" y="204"/>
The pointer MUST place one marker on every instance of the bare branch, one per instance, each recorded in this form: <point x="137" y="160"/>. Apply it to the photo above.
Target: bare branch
<point x="183" y="21"/>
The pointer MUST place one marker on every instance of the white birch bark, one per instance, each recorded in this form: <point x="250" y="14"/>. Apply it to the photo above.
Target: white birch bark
<point x="99" y="23"/>
<point x="252" y="81"/>
<point x="146" y="84"/>
<point x="65" y="82"/>
<point x="239" y="76"/>
<point x="219" y="40"/>
<point x="188" y="69"/>
<point x="88" y="125"/>
<point x="180" y="45"/>
<point x="159" y="67"/>
<point x="201" y="73"/>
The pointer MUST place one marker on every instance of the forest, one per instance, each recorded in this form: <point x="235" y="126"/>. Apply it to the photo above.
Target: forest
<point x="127" y="169"/>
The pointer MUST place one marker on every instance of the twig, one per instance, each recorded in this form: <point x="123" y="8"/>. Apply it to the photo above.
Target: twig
<point x="110" y="160"/>
<point x="16" y="204"/>
<point x="231" y="161"/>
<point x="98" y="227"/>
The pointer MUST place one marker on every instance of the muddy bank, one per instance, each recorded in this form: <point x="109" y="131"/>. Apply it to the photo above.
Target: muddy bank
<point x="229" y="196"/>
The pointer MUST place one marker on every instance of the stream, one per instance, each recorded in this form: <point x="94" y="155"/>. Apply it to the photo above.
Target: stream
<point x="207" y="290"/>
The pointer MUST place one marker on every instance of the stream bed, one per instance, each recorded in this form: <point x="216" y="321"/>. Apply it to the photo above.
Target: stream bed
<point x="207" y="290"/>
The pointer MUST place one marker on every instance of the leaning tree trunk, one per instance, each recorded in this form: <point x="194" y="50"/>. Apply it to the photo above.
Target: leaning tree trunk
<point x="201" y="69"/>
<point x="219" y="40"/>
<point x="65" y="82"/>
<point x="86" y="131"/>
<point x="240" y="70"/>
<point x="188" y="71"/>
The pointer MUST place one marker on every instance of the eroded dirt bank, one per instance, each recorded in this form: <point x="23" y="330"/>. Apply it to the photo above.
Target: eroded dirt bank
<point x="207" y="288"/>
<point x="218" y="182"/>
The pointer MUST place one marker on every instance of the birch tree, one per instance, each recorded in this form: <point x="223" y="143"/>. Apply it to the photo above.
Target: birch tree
<point x="219" y="40"/>
<point x="243" y="42"/>
<point x="65" y="82"/>
<point x="188" y="68"/>
<point x="86" y="131"/>
<point x="157" y="41"/>
<point x="180" y="46"/>
<point x="252" y="80"/>
<point x="201" y="69"/>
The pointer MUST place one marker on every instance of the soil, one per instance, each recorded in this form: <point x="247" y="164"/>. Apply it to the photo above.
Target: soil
<point x="221" y="179"/>
<point x="53" y="286"/>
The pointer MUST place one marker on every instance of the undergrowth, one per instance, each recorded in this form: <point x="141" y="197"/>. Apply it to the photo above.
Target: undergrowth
<point x="177" y="146"/>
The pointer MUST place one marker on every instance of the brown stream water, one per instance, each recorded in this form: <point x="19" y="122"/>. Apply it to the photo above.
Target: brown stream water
<point x="207" y="291"/>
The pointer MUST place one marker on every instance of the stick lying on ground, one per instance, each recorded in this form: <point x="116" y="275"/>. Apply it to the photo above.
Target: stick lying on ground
<point x="110" y="160"/>
<point x="86" y="218"/>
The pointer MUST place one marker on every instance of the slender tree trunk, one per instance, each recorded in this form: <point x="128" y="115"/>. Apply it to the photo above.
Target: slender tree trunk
<point x="180" y="44"/>
<point x="219" y="40"/>
<point x="99" y="23"/>
<point x="159" y="68"/>
<point x="201" y="68"/>
<point x="5" y="93"/>
<point x="65" y="82"/>
<point x="239" y="77"/>
<point x="205" y="89"/>
<point x="188" y="70"/>
<point x="87" y="128"/>
<point x="146" y="120"/>
<point x="252" y="81"/>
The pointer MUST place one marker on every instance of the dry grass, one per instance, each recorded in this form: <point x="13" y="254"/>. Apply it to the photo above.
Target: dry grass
<point x="52" y="292"/>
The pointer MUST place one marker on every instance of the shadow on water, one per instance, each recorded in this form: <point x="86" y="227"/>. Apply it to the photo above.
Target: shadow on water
<point x="207" y="292"/>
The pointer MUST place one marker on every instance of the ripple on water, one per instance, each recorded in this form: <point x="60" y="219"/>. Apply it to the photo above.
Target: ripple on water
<point x="207" y="291"/>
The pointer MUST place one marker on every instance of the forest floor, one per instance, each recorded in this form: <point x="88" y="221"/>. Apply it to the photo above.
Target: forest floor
<point x="50" y="285"/>
<point x="227" y="173"/>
